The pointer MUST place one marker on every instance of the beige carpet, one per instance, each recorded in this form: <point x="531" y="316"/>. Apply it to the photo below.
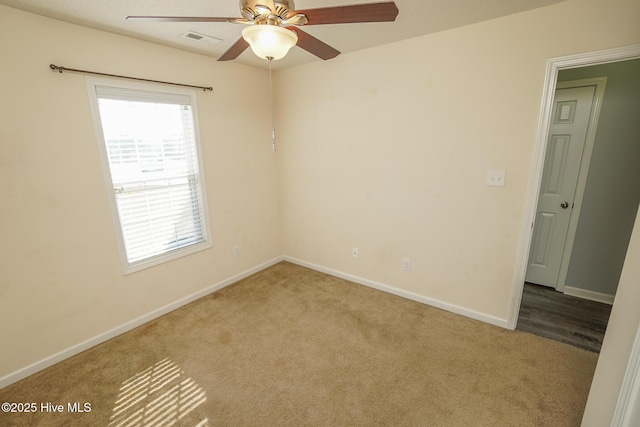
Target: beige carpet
<point x="293" y="347"/>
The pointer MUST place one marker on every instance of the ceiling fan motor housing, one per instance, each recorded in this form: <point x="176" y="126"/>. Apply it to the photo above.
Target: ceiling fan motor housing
<point x="261" y="10"/>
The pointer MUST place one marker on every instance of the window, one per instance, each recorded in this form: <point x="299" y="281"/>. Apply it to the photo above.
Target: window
<point x="149" y="144"/>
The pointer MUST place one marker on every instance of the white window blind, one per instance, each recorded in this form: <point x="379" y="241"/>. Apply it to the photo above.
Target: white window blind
<point x="151" y="147"/>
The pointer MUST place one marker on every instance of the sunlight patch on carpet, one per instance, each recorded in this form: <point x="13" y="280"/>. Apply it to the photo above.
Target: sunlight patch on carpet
<point x="158" y="396"/>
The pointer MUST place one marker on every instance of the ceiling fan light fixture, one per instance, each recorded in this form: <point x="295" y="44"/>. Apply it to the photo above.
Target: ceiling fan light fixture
<point x="269" y="41"/>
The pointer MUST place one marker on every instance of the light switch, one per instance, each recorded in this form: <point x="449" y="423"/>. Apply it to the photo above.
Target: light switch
<point x="495" y="178"/>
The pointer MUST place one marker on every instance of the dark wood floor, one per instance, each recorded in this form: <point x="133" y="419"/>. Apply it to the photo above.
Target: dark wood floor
<point x="551" y="314"/>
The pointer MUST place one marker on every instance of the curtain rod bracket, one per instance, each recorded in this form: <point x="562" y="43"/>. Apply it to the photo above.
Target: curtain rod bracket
<point x="60" y="69"/>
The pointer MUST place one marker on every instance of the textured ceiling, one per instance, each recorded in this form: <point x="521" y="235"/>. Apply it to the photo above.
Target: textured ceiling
<point x="416" y="18"/>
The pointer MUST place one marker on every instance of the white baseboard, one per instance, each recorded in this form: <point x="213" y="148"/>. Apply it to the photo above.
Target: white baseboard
<point x="403" y="293"/>
<point x="91" y="342"/>
<point x="590" y="295"/>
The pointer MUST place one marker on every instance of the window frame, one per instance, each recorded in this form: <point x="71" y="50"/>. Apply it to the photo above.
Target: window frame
<point x="127" y="266"/>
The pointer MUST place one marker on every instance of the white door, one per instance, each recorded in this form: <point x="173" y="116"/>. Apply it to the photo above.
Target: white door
<point x="567" y="135"/>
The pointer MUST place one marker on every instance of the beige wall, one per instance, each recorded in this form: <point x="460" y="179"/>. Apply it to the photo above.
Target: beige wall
<point x="60" y="276"/>
<point x="387" y="150"/>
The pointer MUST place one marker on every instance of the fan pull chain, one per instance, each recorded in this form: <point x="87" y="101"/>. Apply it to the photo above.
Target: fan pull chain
<point x="273" y="126"/>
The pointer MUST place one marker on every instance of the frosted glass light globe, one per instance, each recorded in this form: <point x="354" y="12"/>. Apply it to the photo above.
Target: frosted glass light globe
<point x="269" y="41"/>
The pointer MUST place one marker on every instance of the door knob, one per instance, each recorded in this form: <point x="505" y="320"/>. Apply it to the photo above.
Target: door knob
<point x="564" y="205"/>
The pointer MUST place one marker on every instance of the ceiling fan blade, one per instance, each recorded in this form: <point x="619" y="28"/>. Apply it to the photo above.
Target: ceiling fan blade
<point x="234" y="51"/>
<point x="182" y="18"/>
<point x="313" y="45"/>
<point x="370" y="12"/>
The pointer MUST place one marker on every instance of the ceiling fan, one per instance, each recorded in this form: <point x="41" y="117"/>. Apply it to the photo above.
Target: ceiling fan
<point x="273" y="25"/>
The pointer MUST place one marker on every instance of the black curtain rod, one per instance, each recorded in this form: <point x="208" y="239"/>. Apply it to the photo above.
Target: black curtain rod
<point x="61" y="69"/>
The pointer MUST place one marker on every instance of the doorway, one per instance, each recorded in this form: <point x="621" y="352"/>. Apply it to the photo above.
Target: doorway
<point x="595" y="254"/>
<point x="554" y="67"/>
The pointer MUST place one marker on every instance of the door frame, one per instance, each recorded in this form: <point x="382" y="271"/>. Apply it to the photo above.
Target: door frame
<point x="585" y="162"/>
<point x="626" y="411"/>
<point x="554" y="65"/>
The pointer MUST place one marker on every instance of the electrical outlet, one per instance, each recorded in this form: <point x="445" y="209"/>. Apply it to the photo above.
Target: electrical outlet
<point x="236" y="250"/>
<point x="355" y="252"/>
<point x="406" y="264"/>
